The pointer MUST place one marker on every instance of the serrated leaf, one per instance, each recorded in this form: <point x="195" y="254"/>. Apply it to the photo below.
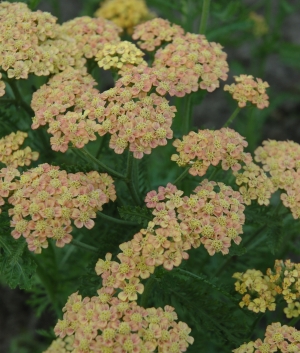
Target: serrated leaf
<point x="237" y="250"/>
<point x="140" y="215"/>
<point x="274" y="236"/>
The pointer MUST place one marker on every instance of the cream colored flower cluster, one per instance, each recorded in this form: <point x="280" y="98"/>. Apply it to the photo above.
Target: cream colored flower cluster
<point x="260" y="25"/>
<point x="154" y="33"/>
<point x="11" y="154"/>
<point x="31" y="42"/>
<point x="262" y="289"/>
<point x="104" y="323"/>
<point x="125" y="13"/>
<point x="210" y="147"/>
<point x="247" y="89"/>
<point x="60" y="345"/>
<point x="52" y="104"/>
<point x="281" y="159"/>
<point x="255" y="184"/>
<point x="118" y="55"/>
<point x="7" y="185"/>
<point x="284" y="339"/>
<point x="46" y="200"/>
<point x="91" y="34"/>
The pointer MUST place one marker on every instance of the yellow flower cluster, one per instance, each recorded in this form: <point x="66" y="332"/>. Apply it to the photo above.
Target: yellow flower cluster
<point x="45" y="200"/>
<point x="248" y="90"/>
<point x="125" y="13"/>
<point x="260" y="26"/>
<point x="91" y="34"/>
<point x="256" y="185"/>
<point x="210" y="147"/>
<point x="117" y="55"/>
<point x="281" y="159"/>
<point x="31" y="42"/>
<point x="11" y="154"/>
<point x="262" y="289"/>
<point x="106" y="324"/>
<point x="277" y="339"/>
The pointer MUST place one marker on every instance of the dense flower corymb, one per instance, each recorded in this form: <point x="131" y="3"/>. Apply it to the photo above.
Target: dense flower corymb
<point x="47" y="200"/>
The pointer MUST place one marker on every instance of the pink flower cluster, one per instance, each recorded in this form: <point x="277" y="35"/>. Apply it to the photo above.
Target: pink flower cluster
<point x="248" y="90"/>
<point x="187" y="63"/>
<point x="52" y="104"/>
<point x="104" y="323"/>
<point x="45" y="200"/>
<point x="284" y="339"/>
<point x="180" y="223"/>
<point x="132" y="117"/>
<point x="210" y="147"/>
<point x="154" y="33"/>
<point x="281" y="159"/>
<point x="91" y="34"/>
<point x="12" y="155"/>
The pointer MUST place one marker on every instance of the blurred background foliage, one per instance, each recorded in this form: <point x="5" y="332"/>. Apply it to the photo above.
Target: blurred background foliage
<point x="262" y="39"/>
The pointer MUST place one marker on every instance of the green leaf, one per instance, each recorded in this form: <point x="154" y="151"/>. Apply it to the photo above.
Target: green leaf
<point x="16" y="264"/>
<point x="140" y="215"/>
<point x="290" y="54"/>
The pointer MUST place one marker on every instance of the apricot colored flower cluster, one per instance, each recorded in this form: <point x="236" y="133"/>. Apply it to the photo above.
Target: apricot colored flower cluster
<point x="7" y="185"/>
<point x="247" y="89"/>
<point x="10" y="152"/>
<point x="136" y="119"/>
<point x="255" y="184"/>
<point x="52" y="104"/>
<point x="118" y="55"/>
<point x="91" y="34"/>
<point x="284" y="339"/>
<point x="104" y="323"/>
<point x="210" y="147"/>
<point x="281" y="159"/>
<point x="125" y="13"/>
<point x="154" y="33"/>
<point x="262" y="289"/>
<point x="31" y="42"/>
<point x="47" y="199"/>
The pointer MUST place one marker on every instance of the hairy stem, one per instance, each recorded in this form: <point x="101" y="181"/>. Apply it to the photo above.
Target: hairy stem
<point x="182" y="176"/>
<point x="115" y="220"/>
<point x="130" y="178"/>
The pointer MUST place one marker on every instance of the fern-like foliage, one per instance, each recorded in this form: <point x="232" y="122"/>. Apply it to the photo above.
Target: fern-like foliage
<point x="207" y="308"/>
<point x="140" y="215"/>
<point x="16" y="264"/>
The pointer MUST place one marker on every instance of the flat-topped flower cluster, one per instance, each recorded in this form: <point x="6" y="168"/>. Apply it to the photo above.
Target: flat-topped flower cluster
<point x="285" y="339"/>
<point x="10" y="153"/>
<point x="104" y="323"/>
<point x="262" y="290"/>
<point x="47" y="200"/>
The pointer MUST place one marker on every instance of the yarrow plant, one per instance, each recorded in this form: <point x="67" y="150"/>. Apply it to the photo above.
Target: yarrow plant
<point x="96" y="216"/>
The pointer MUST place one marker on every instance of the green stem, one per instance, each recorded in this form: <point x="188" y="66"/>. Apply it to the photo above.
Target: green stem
<point x="101" y="144"/>
<point x="204" y="16"/>
<point x="83" y="245"/>
<point x="214" y="173"/>
<point x="294" y="321"/>
<point x="147" y="291"/>
<point x="83" y="152"/>
<point x="115" y="220"/>
<point x="182" y="176"/>
<point x="130" y="178"/>
<point x="232" y="117"/>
